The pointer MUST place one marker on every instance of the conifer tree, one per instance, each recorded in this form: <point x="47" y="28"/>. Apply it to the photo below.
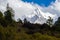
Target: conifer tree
<point x="50" y="21"/>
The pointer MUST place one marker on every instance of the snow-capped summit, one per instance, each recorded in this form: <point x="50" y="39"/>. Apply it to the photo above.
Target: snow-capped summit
<point x="38" y="16"/>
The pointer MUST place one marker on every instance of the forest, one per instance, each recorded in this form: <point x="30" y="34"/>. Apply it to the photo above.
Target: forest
<point x="10" y="29"/>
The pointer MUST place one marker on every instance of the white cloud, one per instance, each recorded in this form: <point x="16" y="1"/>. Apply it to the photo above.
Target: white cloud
<point x="23" y="8"/>
<point x="19" y="7"/>
<point x="53" y="9"/>
<point x="57" y="5"/>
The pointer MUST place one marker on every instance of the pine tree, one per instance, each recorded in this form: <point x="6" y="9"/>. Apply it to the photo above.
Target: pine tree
<point x="8" y="14"/>
<point x="57" y="24"/>
<point x="1" y="15"/>
<point x="50" y="21"/>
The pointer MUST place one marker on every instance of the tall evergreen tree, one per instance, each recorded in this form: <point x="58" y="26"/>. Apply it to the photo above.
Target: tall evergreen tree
<point x="50" y="21"/>
<point x="1" y="15"/>
<point x="9" y="14"/>
<point x="57" y="24"/>
<point x="25" y="20"/>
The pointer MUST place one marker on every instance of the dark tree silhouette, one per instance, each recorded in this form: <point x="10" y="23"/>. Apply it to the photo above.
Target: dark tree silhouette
<point x="57" y="25"/>
<point x="8" y="14"/>
<point x="50" y="21"/>
<point x="1" y="15"/>
<point x="19" y="20"/>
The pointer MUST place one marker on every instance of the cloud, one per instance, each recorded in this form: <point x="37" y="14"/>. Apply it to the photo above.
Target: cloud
<point x="18" y="6"/>
<point x="53" y="9"/>
<point x="23" y="8"/>
<point x="57" y="5"/>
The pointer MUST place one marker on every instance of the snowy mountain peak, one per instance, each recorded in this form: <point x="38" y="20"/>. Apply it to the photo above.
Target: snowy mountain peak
<point x="38" y="16"/>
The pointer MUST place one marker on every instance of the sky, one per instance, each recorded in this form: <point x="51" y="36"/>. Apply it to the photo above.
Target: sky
<point x="41" y="2"/>
<point x="26" y="8"/>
